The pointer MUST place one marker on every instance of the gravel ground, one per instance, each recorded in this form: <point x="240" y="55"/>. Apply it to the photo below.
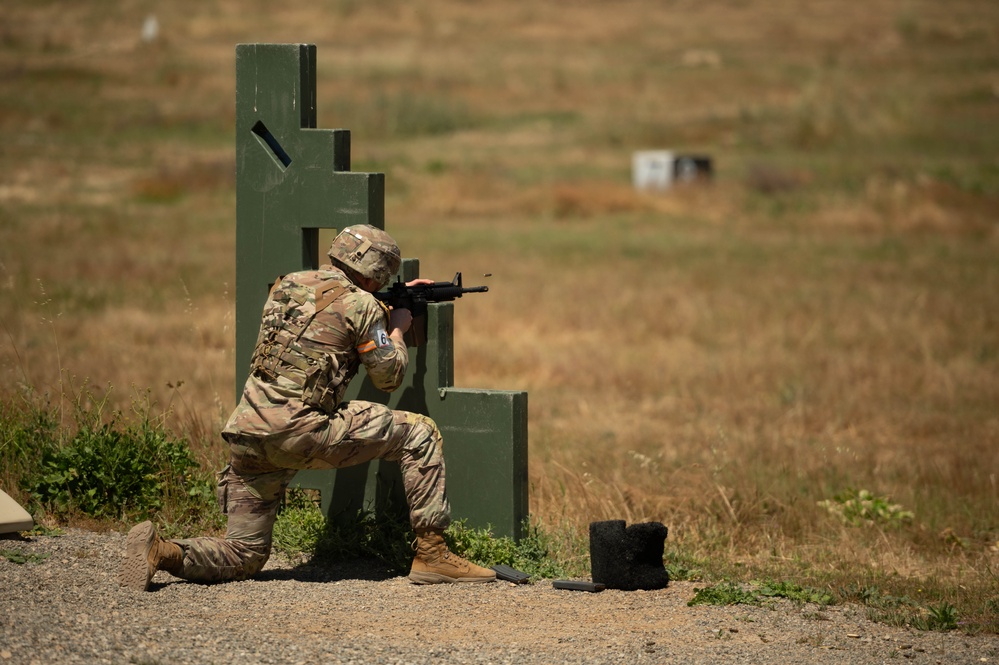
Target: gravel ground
<point x="68" y="608"/>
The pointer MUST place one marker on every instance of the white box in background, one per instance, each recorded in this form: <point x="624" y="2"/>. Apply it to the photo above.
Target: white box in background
<point x="652" y="169"/>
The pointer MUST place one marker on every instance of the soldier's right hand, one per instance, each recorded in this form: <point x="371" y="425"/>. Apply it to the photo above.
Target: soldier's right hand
<point x="400" y="319"/>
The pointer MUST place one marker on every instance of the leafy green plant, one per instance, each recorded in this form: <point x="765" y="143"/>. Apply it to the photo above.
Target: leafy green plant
<point x="794" y="592"/>
<point x="18" y="557"/>
<point x="299" y="526"/>
<point x="682" y="566"/>
<point x="386" y="537"/>
<point x="530" y="554"/>
<point x="28" y="430"/>
<point x="872" y="596"/>
<point x="729" y="593"/>
<point x="856" y="507"/>
<point x="723" y="593"/>
<point x="103" y="468"/>
<point x="113" y="470"/>
<point x="301" y="529"/>
<point x="941" y="617"/>
<point x="901" y="610"/>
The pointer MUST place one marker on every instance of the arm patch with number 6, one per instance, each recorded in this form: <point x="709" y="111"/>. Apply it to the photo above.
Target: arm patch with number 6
<point x="379" y="340"/>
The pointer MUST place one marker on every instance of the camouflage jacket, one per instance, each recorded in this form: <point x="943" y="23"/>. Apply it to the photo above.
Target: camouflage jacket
<point x="316" y="331"/>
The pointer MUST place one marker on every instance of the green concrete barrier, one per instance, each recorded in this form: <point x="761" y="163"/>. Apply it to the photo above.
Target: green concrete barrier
<point x="292" y="182"/>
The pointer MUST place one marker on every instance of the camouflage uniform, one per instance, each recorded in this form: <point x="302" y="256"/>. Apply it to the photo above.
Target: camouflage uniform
<point x="317" y="329"/>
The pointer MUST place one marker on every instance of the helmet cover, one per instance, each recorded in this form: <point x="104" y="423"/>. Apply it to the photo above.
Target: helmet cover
<point x="368" y="251"/>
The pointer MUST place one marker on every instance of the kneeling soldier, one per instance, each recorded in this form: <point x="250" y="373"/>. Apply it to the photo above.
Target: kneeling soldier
<point x="318" y="327"/>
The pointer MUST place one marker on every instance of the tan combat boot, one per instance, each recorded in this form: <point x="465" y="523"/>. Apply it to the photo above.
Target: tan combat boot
<point x="435" y="563"/>
<point x="145" y="553"/>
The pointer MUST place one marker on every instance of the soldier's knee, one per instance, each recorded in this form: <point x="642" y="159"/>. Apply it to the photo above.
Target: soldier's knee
<point x="249" y="555"/>
<point x="417" y="427"/>
<point x="425" y="431"/>
<point x="433" y="432"/>
<point x="422" y="438"/>
<point x="254" y="559"/>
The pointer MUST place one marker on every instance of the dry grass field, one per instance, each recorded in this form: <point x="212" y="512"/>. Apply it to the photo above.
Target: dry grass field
<point x="822" y="317"/>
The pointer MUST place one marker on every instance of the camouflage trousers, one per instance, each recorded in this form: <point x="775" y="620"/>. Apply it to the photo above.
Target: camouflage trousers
<point x="251" y="487"/>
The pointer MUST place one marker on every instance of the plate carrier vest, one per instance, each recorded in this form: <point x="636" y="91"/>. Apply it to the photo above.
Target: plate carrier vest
<point x="283" y="350"/>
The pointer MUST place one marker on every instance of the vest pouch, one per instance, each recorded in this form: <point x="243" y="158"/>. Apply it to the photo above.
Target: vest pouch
<point x="320" y="389"/>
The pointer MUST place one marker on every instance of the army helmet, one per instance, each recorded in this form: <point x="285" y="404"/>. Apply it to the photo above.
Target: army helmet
<point x="368" y="251"/>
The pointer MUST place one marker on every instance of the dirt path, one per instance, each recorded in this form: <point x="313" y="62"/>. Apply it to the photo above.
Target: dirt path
<point x="64" y="605"/>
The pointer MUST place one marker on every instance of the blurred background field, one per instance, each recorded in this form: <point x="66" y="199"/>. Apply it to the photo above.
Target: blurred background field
<point x="794" y="367"/>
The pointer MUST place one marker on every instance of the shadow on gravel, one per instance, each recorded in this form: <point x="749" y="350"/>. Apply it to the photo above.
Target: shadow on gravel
<point x="370" y="571"/>
<point x="373" y="571"/>
<point x="16" y="536"/>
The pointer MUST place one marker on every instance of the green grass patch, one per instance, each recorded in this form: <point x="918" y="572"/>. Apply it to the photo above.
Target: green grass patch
<point x="940" y="617"/>
<point x="20" y="558"/>
<point x="104" y="466"/>
<point x="531" y="554"/>
<point x="723" y="593"/>
<point x="794" y="592"/>
<point x="683" y="566"/>
<point x="903" y="611"/>
<point x="730" y="593"/>
<point x="301" y="530"/>
<point x="856" y="507"/>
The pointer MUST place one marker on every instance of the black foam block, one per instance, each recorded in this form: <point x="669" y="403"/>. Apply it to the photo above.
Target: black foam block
<point x="628" y="558"/>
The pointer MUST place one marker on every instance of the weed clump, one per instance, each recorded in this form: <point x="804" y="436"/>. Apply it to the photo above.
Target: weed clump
<point x="103" y="467"/>
<point x="857" y="507"/>
<point x="723" y="593"/>
<point x="729" y="593"/>
<point x="530" y="554"/>
<point x="107" y="470"/>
